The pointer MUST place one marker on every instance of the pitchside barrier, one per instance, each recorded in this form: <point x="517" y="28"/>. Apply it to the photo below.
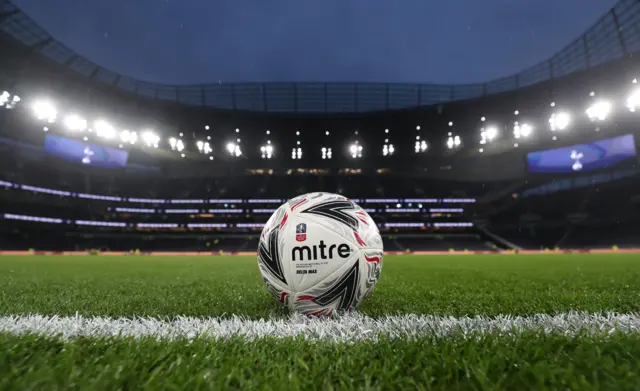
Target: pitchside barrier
<point x="251" y="253"/>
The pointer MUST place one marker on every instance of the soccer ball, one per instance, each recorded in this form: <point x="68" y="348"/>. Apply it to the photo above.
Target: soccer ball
<point x="320" y="254"/>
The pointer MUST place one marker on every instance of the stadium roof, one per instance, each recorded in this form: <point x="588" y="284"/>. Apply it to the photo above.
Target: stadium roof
<point x="614" y="35"/>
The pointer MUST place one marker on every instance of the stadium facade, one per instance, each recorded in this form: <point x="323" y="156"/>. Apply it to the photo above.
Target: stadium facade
<point x="91" y="158"/>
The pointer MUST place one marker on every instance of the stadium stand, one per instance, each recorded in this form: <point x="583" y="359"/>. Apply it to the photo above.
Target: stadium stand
<point x="440" y="168"/>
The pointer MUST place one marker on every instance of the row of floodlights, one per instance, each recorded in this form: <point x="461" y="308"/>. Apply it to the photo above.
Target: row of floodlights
<point x="47" y="112"/>
<point x="44" y="110"/>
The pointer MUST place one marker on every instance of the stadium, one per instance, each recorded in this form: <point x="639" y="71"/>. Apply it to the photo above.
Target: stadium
<point x="130" y="215"/>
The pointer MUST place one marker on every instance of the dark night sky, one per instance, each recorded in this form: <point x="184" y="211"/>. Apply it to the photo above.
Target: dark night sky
<point x="199" y="41"/>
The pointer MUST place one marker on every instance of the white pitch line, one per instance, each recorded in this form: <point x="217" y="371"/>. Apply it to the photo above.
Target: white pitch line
<point x="345" y="328"/>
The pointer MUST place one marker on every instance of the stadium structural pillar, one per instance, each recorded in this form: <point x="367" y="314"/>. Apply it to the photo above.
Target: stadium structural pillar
<point x="500" y="240"/>
<point x="87" y="183"/>
<point x="566" y="235"/>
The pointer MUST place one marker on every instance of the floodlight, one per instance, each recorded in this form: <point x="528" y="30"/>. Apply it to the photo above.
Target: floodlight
<point x="7" y="101"/>
<point x="234" y="149"/>
<point x="104" y="129"/>
<point x="326" y="153"/>
<point x="633" y="101"/>
<point x="356" y="150"/>
<point x="45" y="111"/>
<point x="559" y="121"/>
<point x="453" y="141"/>
<point x="491" y="133"/>
<point x="296" y="153"/>
<point x="522" y="131"/>
<point x="150" y="138"/>
<point x="599" y="110"/>
<point x="487" y="135"/>
<point x="420" y="146"/>
<point x="267" y="151"/>
<point x="74" y="123"/>
<point x="4" y="98"/>
<point x="128" y="137"/>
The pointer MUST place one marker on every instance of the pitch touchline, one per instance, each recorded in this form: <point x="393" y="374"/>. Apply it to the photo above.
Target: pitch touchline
<point x="345" y="328"/>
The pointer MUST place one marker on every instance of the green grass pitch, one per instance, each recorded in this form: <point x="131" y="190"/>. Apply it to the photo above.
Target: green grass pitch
<point x="456" y="286"/>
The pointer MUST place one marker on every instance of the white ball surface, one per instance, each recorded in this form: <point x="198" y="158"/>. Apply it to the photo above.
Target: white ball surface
<point x="320" y="254"/>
